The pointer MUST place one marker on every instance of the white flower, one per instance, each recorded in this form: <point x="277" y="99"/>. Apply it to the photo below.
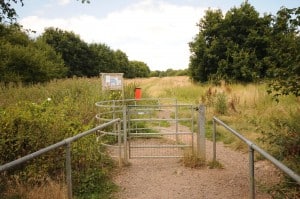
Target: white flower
<point x="48" y="99"/>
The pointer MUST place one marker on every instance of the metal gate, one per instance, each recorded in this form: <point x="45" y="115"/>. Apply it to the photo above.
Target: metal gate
<point x="156" y="130"/>
<point x="151" y="128"/>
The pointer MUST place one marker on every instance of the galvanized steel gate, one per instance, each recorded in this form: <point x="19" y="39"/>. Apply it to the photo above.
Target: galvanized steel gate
<point x="154" y="131"/>
<point x="152" y="128"/>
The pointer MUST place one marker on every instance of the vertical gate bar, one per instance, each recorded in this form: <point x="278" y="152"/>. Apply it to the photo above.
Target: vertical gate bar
<point x="129" y="129"/>
<point x="214" y="141"/>
<point x="192" y="119"/>
<point x="69" y="170"/>
<point x="201" y="134"/>
<point x="119" y="143"/>
<point x="114" y="115"/>
<point x="251" y="173"/>
<point x="176" y="119"/>
<point x="125" y="133"/>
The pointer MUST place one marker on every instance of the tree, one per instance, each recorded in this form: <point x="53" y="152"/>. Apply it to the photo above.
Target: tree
<point x="75" y="52"/>
<point x="27" y="61"/>
<point x="122" y="62"/>
<point x="104" y="58"/>
<point x="231" y="47"/>
<point x="8" y="12"/>
<point x="139" y="69"/>
<point x="284" y="53"/>
<point x="203" y="59"/>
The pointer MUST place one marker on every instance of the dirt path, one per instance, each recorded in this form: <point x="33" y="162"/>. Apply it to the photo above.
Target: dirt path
<point x="169" y="179"/>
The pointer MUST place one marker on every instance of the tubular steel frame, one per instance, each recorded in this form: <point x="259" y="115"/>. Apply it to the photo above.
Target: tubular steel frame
<point x="67" y="143"/>
<point x="136" y="110"/>
<point x="252" y="147"/>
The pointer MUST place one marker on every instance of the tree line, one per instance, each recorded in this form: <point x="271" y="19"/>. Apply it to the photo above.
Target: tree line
<point x="59" y="54"/>
<point x="242" y="46"/>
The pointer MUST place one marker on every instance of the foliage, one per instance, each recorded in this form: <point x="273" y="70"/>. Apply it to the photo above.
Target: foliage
<point x="215" y="165"/>
<point x="245" y="47"/>
<point x="138" y="69"/>
<point x="190" y="159"/>
<point x="7" y="10"/>
<point x="230" y="47"/>
<point x="34" y="117"/>
<point x="283" y="141"/>
<point x="23" y="60"/>
<point x="285" y="53"/>
<point x="221" y="103"/>
<point x="76" y="53"/>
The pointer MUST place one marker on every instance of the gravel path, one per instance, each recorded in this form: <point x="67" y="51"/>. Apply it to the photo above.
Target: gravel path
<point x="169" y="179"/>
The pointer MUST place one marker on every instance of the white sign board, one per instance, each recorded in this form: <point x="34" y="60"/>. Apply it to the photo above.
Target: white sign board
<point x="112" y="81"/>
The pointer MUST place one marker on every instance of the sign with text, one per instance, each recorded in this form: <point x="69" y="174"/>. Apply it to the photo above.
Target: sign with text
<point x="112" y="81"/>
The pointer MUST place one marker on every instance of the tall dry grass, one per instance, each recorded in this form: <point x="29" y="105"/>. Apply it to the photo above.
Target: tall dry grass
<point x="49" y="190"/>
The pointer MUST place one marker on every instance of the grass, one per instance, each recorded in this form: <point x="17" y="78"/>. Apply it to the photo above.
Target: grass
<point x="191" y="160"/>
<point x="246" y="108"/>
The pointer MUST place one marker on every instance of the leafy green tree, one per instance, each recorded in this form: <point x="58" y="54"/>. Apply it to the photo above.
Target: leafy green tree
<point x="139" y="69"/>
<point x="76" y="53"/>
<point x="232" y="47"/>
<point x="284" y="59"/>
<point x="7" y="11"/>
<point x="203" y="59"/>
<point x="24" y="60"/>
<point x="122" y="62"/>
<point x="104" y="58"/>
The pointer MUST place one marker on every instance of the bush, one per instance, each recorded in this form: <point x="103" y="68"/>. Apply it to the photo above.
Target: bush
<point x="283" y="141"/>
<point x="221" y="103"/>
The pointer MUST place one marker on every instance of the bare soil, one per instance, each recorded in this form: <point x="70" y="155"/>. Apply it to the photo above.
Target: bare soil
<point x="169" y="179"/>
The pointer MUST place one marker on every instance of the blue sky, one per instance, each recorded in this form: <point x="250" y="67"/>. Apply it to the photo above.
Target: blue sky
<point x="156" y="32"/>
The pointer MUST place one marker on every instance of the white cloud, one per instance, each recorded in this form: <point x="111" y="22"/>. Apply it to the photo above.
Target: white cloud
<point x="156" y="33"/>
<point x="63" y="2"/>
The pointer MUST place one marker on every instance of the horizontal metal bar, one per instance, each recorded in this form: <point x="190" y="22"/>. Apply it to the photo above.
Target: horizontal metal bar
<point x="161" y="105"/>
<point x="161" y="146"/>
<point x="109" y="133"/>
<point x="277" y="163"/>
<point x="54" y="146"/>
<point x="162" y="134"/>
<point x="132" y="157"/>
<point x="111" y="146"/>
<point x="112" y="103"/>
<point x="248" y="142"/>
<point x="156" y="120"/>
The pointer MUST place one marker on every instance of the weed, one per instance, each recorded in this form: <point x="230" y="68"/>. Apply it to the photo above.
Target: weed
<point x="190" y="159"/>
<point x="215" y="165"/>
<point x="221" y="103"/>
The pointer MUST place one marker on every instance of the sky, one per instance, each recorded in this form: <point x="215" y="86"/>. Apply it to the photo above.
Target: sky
<point x="156" y="32"/>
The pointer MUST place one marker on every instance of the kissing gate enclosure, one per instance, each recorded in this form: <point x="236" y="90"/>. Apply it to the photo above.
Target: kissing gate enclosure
<point x="151" y="128"/>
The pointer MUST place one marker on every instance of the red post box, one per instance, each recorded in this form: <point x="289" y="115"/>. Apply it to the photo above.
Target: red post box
<point x="138" y="93"/>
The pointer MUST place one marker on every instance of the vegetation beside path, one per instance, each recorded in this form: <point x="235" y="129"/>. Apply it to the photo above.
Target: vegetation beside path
<point x="33" y="117"/>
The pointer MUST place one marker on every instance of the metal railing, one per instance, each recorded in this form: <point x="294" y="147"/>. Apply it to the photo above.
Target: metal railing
<point x="252" y="147"/>
<point x="133" y="111"/>
<point x="67" y="143"/>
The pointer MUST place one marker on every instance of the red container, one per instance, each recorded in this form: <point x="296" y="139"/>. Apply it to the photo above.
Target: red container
<point x="138" y="93"/>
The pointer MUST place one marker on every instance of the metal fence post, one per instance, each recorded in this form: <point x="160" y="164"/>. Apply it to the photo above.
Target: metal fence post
<point x="251" y="173"/>
<point x="69" y="170"/>
<point x="214" y="141"/>
<point x="119" y="143"/>
<point x="201" y="134"/>
<point x="125" y="133"/>
<point x="176" y="120"/>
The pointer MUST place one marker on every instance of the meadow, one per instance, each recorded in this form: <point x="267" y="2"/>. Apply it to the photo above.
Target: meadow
<point x="33" y="117"/>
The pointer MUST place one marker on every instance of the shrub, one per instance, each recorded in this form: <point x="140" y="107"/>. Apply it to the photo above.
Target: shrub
<point x="283" y="141"/>
<point x="221" y="103"/>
